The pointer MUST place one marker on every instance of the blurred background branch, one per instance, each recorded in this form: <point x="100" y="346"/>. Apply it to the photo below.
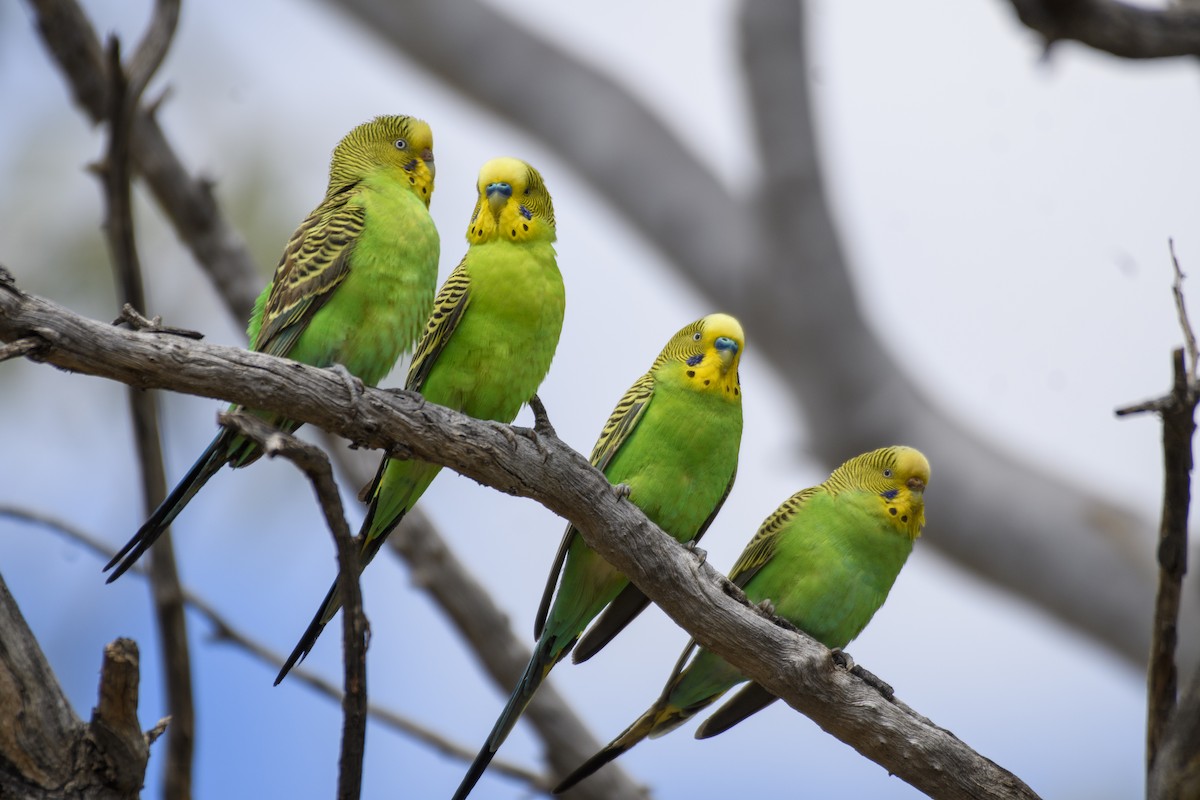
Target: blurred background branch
<point x="775" y="259"/>
<point x="123" y="95"/>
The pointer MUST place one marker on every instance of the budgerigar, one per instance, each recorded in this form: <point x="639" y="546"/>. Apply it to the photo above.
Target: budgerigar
<point x="487" y="346"/>
<point x="673" y="440"/>
<point x="352" y="288"/>
<point x="826" y="560"/>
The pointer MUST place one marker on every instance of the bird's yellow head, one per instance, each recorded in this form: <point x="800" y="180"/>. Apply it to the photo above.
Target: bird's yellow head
<point x="400" y="146"/>
<point x="898" y="475"/>
<point x="513" y="204"/>
<point x="706" y="355"/>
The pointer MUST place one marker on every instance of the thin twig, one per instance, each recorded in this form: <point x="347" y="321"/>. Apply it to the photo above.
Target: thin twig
<point x="434" y="568"/>
<point x="1189" y="335"/>
<point x="1178" y="411"/>
<point x="1156" y="406"/>
<point x="136" y="321"/>
<point x="315" y="465"/>
<point x="124" y="98"/>
<point x="21" y="348"/>
<point x="1179" y="427"/>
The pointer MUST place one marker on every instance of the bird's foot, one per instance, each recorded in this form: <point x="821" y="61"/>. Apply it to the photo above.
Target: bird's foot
<point x="354" y="385"/>
<point x="842" y="658"/>
<point x="533" y="435"/>
<point x="541" y="420"/>
<point x="872" y="680"/>
<point x="621" y="490"/>
<point x="700" y="553"/>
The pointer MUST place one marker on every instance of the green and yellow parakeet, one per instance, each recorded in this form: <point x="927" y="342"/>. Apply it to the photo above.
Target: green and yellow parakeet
<point x="826" y="560"/>
<point x="673" y="440"/>
<point x="487" y="346"/>
<point x="352" y="288"/>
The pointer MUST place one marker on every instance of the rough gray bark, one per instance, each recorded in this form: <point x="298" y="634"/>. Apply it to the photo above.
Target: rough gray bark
<point x="535" y="465"/>
<point x="46" y="752"/>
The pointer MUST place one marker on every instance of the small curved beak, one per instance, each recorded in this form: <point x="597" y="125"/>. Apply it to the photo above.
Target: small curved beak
<point x="427" y="157"/>
<point x="727" y="350"/>
<point x="915" y="484"/>
<point x="497" y="195"/>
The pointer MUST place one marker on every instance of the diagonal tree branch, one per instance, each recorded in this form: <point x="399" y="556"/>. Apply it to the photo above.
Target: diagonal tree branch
<point x="793" y="285"/>
<point x="541" y="467"/>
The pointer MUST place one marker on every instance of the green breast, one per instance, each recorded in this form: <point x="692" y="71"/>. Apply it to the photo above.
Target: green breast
<point x="834" y="565"/>
<point x="379" y="309"/>
<point x="680" y="458"/>
<point x="501" y="350"/>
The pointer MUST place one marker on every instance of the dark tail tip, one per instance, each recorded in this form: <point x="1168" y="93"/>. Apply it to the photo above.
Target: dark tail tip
<point x="309" y="639"/>
<point x="588" y="767"/>
<point x="302" y="648"/>
<point x="205" y="467"/>
<point x="478" y="767"/>
<point x="128" y="555"/>
<point x="298" y="655"/>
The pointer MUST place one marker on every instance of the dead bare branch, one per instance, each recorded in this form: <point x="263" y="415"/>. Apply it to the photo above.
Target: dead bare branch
<point x="788" y="664"/>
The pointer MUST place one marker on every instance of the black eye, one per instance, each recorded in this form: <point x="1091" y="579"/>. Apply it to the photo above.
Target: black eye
<point x="401" y="144"/>
<point x="696" y="336"/>
<point x="887" y="473"/>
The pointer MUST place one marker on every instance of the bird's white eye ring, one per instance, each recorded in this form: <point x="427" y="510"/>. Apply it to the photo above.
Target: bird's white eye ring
<point x="401" y="144"/>
<point x="696" y="336"/>
<point x="887" y="473"/>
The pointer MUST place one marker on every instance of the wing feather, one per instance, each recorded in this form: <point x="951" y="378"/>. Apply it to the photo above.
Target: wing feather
<point x="760" y="549"/>
<point x="315" y="261"/>
<point x="448" y="307"/>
